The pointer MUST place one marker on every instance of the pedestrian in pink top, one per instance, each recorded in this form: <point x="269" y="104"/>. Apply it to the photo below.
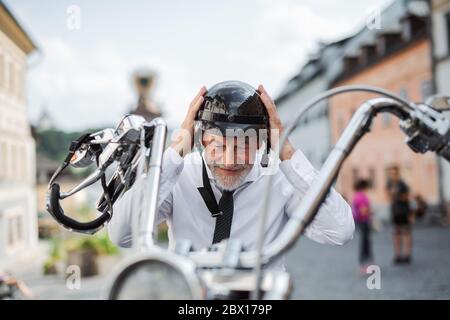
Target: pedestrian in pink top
<point x="362" y="213"/>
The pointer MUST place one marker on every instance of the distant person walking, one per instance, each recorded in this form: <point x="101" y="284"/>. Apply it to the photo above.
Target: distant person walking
<point x="401" y="214"/>
<point x="362" y="213"/>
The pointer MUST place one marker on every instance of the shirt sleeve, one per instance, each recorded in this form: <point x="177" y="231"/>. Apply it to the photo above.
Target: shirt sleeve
<point x="334" y="223"/>
<point x="120" y="225"/>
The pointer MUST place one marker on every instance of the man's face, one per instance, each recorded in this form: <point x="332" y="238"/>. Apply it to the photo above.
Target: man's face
<point x="230" y="159"/>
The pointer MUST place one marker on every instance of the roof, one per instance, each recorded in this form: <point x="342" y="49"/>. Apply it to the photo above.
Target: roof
<point x="331" y="66"/>
<point x="310" y="70"/>
<point x="13" y="29"/>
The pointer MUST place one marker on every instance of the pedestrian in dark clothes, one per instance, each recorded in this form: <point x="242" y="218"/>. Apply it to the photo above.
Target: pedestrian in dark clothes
<point x="401" y="215"/>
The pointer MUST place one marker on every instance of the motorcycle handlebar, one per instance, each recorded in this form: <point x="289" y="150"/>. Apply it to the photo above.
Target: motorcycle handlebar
<point x="120" y="145"/>
<point x="55" y="209"/>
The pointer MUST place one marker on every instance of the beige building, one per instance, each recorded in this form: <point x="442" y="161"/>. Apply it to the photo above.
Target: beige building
<point x="18" y="225"/>
<point x="441" y="55"/>
<point x="398" y="60"/>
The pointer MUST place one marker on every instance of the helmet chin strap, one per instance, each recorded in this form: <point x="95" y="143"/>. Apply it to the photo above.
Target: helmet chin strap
<point x="198" y="134"/>
<point x="265" y="157"/>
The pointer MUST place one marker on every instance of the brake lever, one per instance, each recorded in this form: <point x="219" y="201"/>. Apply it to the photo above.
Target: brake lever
<point x="119" y="183"/>
<point x="427" y="129"/>
<point x="91" y="179"/>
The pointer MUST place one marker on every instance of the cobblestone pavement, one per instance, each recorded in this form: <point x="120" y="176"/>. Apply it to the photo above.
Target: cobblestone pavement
<point x="329" y="272"/>
<point x="319" y="271"/>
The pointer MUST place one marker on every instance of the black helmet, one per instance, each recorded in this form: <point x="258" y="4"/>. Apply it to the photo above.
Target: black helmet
<point x="233" y="104"/>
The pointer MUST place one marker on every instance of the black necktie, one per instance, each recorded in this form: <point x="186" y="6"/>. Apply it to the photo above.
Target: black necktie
<point x="223" y="221"/>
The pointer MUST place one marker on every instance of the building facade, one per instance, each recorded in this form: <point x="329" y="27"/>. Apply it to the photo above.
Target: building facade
<point x="441" y="53"/>
<point x="312" y="134"/>
<point x="396" y="58"/>
<point x="18" y="225"/>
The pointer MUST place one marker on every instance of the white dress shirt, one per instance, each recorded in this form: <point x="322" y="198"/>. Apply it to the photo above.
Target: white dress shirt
<point x="182" y="207"/>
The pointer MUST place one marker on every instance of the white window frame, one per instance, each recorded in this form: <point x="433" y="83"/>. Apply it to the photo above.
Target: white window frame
<point x="15" y="217"/>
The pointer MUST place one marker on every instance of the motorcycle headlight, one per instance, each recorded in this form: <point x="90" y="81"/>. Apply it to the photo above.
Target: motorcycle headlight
<point x="156" y="276"/>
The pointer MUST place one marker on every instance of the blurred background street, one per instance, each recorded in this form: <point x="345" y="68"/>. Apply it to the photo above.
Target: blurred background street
<point x="323" y="272"/>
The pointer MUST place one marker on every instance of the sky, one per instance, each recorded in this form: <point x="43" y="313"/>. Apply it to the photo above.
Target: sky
<point x="82" y="76"/>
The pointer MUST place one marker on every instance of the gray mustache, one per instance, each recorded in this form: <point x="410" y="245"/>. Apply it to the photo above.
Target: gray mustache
<point x="235" y="167"/>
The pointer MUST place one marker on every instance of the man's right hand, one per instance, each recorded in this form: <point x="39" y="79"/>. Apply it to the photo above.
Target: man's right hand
<point x="183" y="140"/>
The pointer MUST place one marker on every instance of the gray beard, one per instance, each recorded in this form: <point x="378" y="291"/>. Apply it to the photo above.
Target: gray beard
<point x="229" y="183"/>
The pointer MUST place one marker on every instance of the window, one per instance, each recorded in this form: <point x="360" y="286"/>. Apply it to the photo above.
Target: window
<point x="17" y="83"/>
<point x="403" y="93"/>
<point x="14" y="222"/>
<point x="340" y="123"/>
<point x="2" y="70"/>
<point x="21" y="84"/>
<point x="13" y="167"/>
<point x="447" y="28"/>
<point x="426" y="89"/>
<point x="407" y="30"/>
<point x="12" y="78"/>
<point x="386" y="120"/>
<point x="355" y="175"/>
<point x="372" y="178"/>
<point x="5" y="159"/>
<point x="387" y="170"/>
<point x="10" y="227"/>
<point x="23" y="164"/>
<point x="2" y="160"/>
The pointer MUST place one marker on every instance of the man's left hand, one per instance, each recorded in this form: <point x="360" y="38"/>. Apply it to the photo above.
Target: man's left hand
<point x="276" y="126"/>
